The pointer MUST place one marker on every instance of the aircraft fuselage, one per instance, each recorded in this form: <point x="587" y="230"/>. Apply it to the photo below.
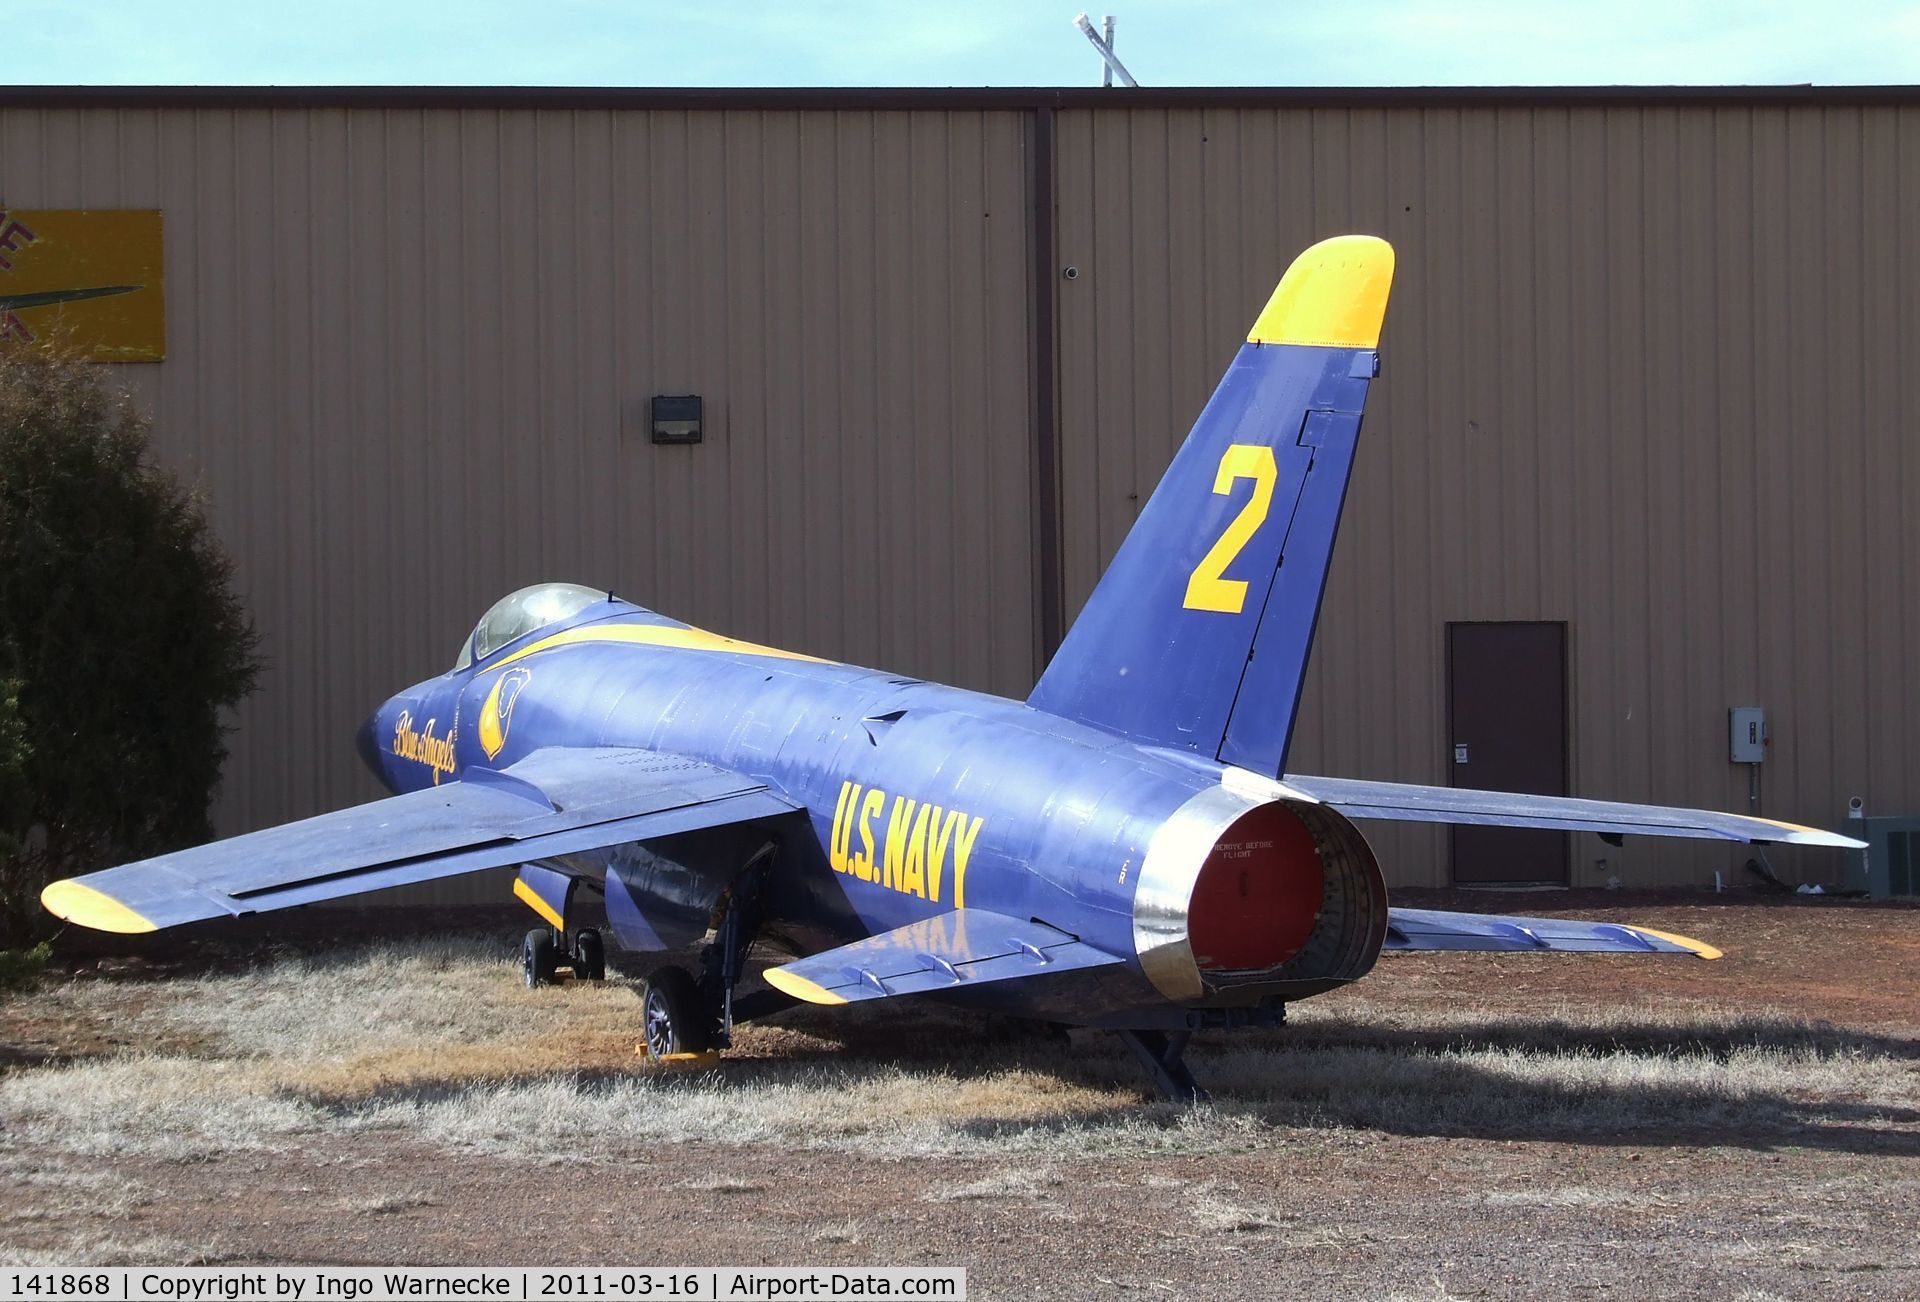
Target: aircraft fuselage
<point x="919" y="798"/>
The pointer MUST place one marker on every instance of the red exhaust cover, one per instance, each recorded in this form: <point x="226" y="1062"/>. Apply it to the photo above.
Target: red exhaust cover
<point x="1259" y="893"/>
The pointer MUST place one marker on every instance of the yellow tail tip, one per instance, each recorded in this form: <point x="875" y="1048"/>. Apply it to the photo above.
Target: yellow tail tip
<point x="1333" y="296"/>
<point x="86" y="907"/>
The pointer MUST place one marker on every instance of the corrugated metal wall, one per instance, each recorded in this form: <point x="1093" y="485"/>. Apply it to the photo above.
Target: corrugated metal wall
<point x="1647" y="370"/>
<point x="401" y="344"/>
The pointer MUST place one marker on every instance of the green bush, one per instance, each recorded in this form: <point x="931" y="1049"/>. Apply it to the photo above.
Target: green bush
<point x="122" y="643"/>
<point x="20" y="969"/>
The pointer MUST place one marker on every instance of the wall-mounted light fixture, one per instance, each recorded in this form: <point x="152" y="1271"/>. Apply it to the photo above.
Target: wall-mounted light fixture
<point x="676" y="418"/>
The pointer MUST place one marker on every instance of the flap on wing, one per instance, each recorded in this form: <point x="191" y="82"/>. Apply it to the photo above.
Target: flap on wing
<point x="1400" y="802"/>
<point x="1429" y="929"/>
<point x="550" y="804"/>
<point x="960" y="947"/>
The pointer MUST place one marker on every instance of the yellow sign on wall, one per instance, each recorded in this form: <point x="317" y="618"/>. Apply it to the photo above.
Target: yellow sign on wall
<point x="91" y="276"/>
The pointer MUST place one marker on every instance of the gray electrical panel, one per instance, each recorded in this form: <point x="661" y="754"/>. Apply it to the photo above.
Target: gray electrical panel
<point x="1746" y="734"/>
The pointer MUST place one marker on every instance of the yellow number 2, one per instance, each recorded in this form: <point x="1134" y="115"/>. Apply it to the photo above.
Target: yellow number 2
<point x="1206" y="590"/>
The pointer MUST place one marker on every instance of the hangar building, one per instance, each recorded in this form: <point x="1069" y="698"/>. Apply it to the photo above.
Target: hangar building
<point x="1642" y="450"/>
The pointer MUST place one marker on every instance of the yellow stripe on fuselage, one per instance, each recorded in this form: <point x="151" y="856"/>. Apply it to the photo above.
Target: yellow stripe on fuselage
<point x="1333" y="296"/>
<point x="89" y="908"/>
<point x="668" y="635"/>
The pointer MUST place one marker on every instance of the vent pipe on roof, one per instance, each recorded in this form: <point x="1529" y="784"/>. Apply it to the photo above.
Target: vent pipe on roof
<point x="1115" y="68"/>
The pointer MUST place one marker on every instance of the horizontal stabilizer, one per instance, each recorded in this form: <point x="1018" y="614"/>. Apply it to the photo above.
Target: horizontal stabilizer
<point x="1398" y="802"/>
<point x="550" y="804"/>
<point x="961" y="948"/>
<point x="1430" y="929"/>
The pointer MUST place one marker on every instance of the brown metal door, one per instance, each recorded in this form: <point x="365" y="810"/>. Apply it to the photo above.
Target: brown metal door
<point x="1507" y="707"/>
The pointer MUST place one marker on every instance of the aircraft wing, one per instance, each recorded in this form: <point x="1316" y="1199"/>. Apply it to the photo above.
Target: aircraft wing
<point x="1399" y="802"/>
<point x="962" y="947"/>
<point x="1428" y="929"/>
<point x="554" y="802"/>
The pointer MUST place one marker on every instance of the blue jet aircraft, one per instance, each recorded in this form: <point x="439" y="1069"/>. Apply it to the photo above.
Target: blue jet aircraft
<point x="1123" y="849"/>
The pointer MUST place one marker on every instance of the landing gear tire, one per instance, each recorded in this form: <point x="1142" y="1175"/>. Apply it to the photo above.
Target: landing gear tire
<point x="675" y="1016"/>
<point x="589" y="956"/>
<point x="539" y="957"/>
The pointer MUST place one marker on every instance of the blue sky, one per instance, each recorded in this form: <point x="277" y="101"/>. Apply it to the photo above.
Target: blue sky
<point x="996" y="42"/>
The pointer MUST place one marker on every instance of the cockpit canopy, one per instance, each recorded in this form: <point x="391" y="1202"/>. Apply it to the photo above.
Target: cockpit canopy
<point x="520" y="613"/>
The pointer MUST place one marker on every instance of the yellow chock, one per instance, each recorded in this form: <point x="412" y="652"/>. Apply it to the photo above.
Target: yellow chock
<point x="706" y="1058"/>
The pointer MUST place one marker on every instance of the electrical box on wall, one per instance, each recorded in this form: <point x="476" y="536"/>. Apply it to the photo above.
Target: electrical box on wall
<point x="1747" y="734"/>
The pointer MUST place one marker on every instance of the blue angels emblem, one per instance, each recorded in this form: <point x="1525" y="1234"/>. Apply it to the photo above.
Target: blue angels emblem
<point x="496" y="716"/>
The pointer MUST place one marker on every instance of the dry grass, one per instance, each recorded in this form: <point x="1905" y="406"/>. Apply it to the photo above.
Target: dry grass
<point x="726" y="1184"/>
<point x="1018" y="1183"/>
<point x="87" y="1215"/>
<point x="388" y="1204"/>
<point x="1437" y="1132"/>
<point x="838" y="1233"/>
<point x="438" y="1042"/>
<point x="51" y="1190"/>
<point x="110" y="1248"/>
<point x="1228" y="1211"/>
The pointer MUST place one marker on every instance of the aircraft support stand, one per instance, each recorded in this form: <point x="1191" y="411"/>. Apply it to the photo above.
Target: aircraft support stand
<point x="1163" y="1054"/>
<point x="723" y="961"/>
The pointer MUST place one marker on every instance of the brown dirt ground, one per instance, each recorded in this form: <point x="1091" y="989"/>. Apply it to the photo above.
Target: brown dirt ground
<point x="1830" y="1212"/>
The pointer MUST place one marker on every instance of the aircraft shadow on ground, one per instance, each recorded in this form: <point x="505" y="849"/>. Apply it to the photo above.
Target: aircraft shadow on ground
<point x="1328" y="1076"/>
<point x="1430" y="1083"/>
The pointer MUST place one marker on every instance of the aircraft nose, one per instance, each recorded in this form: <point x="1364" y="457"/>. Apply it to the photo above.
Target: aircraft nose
<point x="363" y="741"/>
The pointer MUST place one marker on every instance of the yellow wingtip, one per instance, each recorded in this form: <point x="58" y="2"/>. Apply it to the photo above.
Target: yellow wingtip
<point x="788" y="983"/>
<point x="1333" y="296"/>
<point x="1820" y="834"/>
<point x="86" y="907"/>
<point x="1699" y="947"/>
<point x="1801" y="834"/>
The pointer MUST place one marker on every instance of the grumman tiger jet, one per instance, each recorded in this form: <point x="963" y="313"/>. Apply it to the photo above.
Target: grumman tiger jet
<point x="1123" y="849"/>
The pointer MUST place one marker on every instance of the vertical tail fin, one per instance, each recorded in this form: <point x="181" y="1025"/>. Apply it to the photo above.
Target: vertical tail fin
<point x="1197" y="635"/>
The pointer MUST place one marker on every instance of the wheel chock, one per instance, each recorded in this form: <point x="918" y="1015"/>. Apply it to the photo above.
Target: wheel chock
<point x="705" y="1058"/>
